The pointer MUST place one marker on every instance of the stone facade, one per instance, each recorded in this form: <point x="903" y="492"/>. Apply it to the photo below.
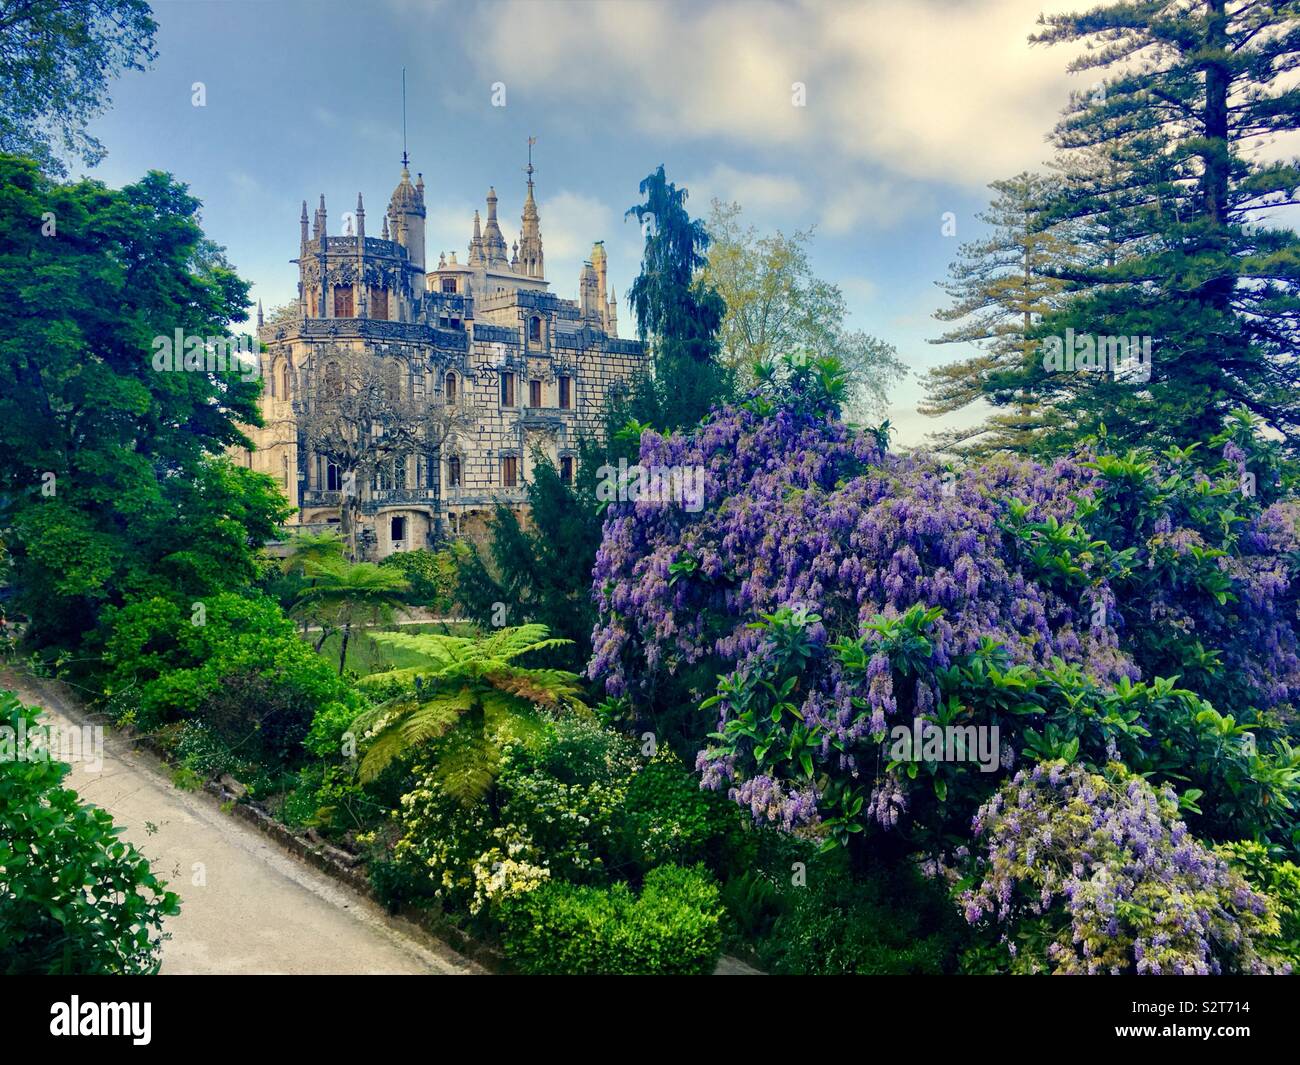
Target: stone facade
<point x="526" y="369"/>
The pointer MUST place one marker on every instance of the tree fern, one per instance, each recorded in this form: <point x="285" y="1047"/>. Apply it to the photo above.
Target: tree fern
<point x="469" y="699"/>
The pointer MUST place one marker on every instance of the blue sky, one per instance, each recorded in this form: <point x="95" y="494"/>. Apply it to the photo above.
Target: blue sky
<point x="911" y="109"/>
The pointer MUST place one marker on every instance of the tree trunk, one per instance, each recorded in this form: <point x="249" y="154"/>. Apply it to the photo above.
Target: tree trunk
<point x="343" y="650"/>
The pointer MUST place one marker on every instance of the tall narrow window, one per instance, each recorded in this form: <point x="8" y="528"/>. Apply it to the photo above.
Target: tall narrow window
<point x="534" y="393"/>
<point x="379" y="304"/>
<point x="399" y="472"/>
<point x="507" y="390"/>
<point x="342" y="301"/>
<point x="566" y="393"/>
<point x="566" y="469"/>
<point x="509" y="471"/>
<point x="453" y="472"/>
<point x="397" y="531"/>
<point x="333" y="479"/>
<point x="535" y="329"/>
<point x="448" y="284"/>
<point x="284" y="381"/>
<point x="451" y="388"/>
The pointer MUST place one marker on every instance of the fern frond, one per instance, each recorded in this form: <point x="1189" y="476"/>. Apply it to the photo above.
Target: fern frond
<point x="467" y="765"/>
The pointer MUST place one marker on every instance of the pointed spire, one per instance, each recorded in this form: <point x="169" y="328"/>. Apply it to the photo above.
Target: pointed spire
<point x="260" y="321"/>
<point x="494" y="243"/>
<point x="385" y="227"/>
<point x="476" y="244"/>
<point x="531" y="261"/>
<point x="302" y="222"/>
<point x="361" y="221"/>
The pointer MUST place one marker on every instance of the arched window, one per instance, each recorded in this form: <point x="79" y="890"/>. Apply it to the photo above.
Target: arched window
<point x="453" y="471"/>
<point x="535" y="329"/>
<point x="451" y="388"/>
<point x="333" y="479"/>
<point x="284" y="381"/>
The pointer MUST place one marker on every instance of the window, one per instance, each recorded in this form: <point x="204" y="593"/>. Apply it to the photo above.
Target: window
<point x="451" y="388"/>
<point x="333" y="480"/>
<point x="284" y="381"/>
<point x="342" y="301"/>
<point x="566" y="398"/>
<point x="535" y="329"/>
<point x="397" y="531"/>
<point x="399" y="472"/>
<point x="566" y="469"/>
<point x="272" y="383"/>
<point x="379" y="303"/>
<point x="449" y="284"/>
<point x="453" y="472"/>
<point x="534" y="393"/>
<point x="507" y="390"/>
<point x="509" y="471"/>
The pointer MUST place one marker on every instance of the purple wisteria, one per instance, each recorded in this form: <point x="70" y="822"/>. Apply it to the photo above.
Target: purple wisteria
<point x="1116" y="881"/>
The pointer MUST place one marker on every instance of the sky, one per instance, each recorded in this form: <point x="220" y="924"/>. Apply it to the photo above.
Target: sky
<point x="909" y="110"/>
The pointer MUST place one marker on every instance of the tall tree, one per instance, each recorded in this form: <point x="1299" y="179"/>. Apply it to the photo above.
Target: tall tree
<point x="1191" y="94"/>
<point x="677" y="312"/>
<point x="540" y="570"/>
<point x="777" y="306"/>
<point x="1001" y="286"/>
<point x="56" y="60"/>
<point x="113" y="479"/>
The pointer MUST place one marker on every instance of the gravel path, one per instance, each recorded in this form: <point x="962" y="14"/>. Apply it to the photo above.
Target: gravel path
<point x="246" y="905"/>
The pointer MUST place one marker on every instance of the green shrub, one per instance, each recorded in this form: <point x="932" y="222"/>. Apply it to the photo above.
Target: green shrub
<point x="668" y="818"/>
<point x="431" y="575"/>
<point x="74" y="899"/>
<point x="890" y="921"/>
<point x="672" y="927"/>
<point x="1280" y="880"/>
<point x="237" y="665"/>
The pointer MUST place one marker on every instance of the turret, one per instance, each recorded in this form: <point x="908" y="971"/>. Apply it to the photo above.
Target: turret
<point x="494" y="243"/>
<point x="406" y="208"/>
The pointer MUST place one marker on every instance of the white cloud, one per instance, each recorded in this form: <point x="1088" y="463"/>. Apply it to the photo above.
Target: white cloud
<point x="928" y="89"/>
<point x="759" y="194"/>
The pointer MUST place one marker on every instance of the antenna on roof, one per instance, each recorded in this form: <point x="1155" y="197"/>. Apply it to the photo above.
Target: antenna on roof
<point x="404" y="157"/>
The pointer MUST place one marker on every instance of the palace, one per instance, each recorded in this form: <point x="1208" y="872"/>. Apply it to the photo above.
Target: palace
<point x="521" y="369"/>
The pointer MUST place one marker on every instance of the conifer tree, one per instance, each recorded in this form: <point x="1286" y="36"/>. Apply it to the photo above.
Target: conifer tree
<point x="1001" y="286"/>
<point x="1203" y="278"/>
